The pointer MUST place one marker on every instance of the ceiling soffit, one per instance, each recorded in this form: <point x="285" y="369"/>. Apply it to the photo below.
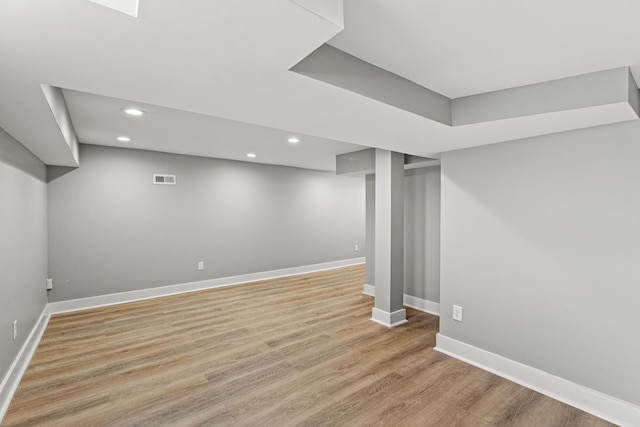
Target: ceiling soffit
<point x="614" y="88"/>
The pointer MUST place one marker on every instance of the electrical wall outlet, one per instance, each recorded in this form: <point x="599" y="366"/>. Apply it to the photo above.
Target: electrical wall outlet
<point x="15" y="329"/>
<point x="457" y="313"/>
<point x="200" y="265"/>
<point x="49" y="283"/>
<point x="356" y="248"/>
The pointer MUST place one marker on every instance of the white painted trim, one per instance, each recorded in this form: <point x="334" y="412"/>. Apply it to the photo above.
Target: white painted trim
<point x="142" y="294"/>
<point x="390" y="320"/>
<point x="369" y="290"/>
<point x="10" y="382"/>
<point x="409" y="301"/>
<point x="422" y="304"/>
<point x="594" y="402"/>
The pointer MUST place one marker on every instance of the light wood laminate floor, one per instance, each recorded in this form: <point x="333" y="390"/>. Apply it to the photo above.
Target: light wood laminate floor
<point x="294" y="351"/>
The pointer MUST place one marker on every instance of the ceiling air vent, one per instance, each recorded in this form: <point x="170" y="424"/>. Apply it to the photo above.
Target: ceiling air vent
<point x="164" y="179"/>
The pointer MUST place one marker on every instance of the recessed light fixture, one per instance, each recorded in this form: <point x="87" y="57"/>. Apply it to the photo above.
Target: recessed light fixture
<point x="293" y="140"/>
<point x="251" y="155"/>
<point x="133" y="111"/>
<point x="123" y="139"/>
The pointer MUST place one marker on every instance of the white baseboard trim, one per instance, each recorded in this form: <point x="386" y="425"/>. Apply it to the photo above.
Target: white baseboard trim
<point x="369" y="290"/>
<point x="599" y="404"/>
<point x="390" y="320"/>
<point x="422" y="304"/>
<point x="410" y="301"/>
<point x="142" y="294"/>
<point x="10" y="382"/>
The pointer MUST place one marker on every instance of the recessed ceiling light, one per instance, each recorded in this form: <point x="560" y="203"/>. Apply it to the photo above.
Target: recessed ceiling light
<point x="123" y="139"/>
<point x="133" y="111"/>
<point x="251" y="155"/>
<point x="293" y="140"/>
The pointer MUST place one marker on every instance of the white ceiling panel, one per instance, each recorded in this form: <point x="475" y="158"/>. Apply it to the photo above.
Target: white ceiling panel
<point x="230" y="59"/>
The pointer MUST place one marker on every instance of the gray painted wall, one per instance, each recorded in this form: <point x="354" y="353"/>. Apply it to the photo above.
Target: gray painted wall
<point x="23" y="245"/>
<point x="597" y="89"/>
<point x="112" y="230"/>
<point x="370" y="227"/>
<point x="421" y="232"/>
<point x="341" y="69"/>
<point x="541" y="247"/>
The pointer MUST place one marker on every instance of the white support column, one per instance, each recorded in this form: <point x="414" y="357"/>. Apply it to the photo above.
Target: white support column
<point x="389" y="232"/>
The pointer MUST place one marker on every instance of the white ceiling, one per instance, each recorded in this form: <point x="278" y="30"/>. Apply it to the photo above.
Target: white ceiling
<point x="191" y="64"/>
<point x="164" y="129"/>
<point x="465" y="47"/>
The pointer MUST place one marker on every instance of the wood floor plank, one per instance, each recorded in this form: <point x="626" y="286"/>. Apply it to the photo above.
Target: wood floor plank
<point x="297" y="350"/>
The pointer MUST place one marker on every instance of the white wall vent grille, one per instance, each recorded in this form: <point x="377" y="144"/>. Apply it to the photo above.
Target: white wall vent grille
<point x="159" y="178"/>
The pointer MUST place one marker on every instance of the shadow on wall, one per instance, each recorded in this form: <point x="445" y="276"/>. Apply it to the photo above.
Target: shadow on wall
<point x="55" y="172"/>
<point x="14" y="154"/>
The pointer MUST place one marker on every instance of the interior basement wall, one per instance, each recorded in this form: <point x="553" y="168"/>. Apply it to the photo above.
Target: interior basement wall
<point x="23" y="245"/>
<point x="421" y="232"/>
<point x="112" y="230"/>
<point x="540" y="246"/>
